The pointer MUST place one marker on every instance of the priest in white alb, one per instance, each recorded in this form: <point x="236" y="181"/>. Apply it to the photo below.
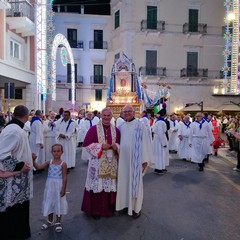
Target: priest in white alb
<point x="49" y="134"/>
<point x="160" y="144"/>
<point x="65" y="135"/>
<point x="36" y="140"/>
<point x="184" y="151"/>
<point x="173" y="135"/>
<point x="200" y="138"/>
<point x="135" y="156"/>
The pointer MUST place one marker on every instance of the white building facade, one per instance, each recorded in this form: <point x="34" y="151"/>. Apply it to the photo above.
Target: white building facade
<point x="179" y="43"/>
<point x="89" y="38"/>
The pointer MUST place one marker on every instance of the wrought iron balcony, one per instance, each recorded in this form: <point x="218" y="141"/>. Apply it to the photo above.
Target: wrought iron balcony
<point x="98" y="80"/>
<point x="20" y="17"/>
<point x="186" y="72"/>
<point x="98" y="45"/>
<point x="76" y="44"/>
<point x="21" y="9"/>
<point x="158" y="26"/>
<point x="159" y="71"/>
<point x="195" y="28"/>
<point x="64" y="79"/>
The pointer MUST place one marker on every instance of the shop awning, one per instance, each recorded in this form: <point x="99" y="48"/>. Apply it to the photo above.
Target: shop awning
<point x="230" y="108"/>
<point x="197" y="108"/>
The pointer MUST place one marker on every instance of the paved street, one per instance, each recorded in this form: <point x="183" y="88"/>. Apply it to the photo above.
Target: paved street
<point x="183" y="204"/>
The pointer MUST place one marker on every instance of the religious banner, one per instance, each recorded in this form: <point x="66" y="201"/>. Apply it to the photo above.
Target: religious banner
<point x="123" y="81"/>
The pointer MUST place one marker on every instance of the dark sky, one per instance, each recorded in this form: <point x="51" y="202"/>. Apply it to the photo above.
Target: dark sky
<point x="101" y="7"/>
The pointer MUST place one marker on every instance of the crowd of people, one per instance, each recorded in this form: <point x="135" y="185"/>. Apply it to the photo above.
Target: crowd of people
<point x="118" y="153"/>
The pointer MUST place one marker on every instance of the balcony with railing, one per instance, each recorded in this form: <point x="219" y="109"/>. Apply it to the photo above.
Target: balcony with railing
<point x="150" y="71"/>
<point x="200" y="28"/>
<point x="98" y="45"/>
<point x="98" y="80"/>
<point x="76" y="44"/>
<point x="4" y="4"/>
<point x="156" y="26"/>
<point x="20" y="17"/>
<point x="63" y="81"/>
<point x="198" y="72"/>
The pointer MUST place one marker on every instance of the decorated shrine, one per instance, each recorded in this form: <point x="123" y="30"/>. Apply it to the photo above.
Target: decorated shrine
<point x="124" y="87"/>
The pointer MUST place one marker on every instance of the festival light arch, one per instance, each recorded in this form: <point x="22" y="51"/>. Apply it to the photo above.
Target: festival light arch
<point x="46" y="43"/>
<point x="60" y="40"/>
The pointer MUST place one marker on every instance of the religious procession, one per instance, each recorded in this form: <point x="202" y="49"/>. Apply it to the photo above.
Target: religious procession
<point x="118" y="153"/>
<point x="132" y="135"/>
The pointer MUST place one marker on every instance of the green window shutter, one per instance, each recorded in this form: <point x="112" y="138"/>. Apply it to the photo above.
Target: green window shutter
<point x="193" y="20"/>
<point x="98" y="74"/>
<point x="117" y="19"/>
<point x="98" y="95"/>
<point x="151" y="17"/>
<point x="151" y="62"/>
<point x="192" y="64"/>
<point x="98" y="39"/>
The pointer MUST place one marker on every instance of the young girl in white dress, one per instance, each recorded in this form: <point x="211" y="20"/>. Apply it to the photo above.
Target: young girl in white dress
<point x="54" y="197"/>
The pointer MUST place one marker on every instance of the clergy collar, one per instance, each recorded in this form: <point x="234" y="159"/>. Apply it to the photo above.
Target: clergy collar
<point x="130" y="120"/>
<point x="16" y="121"/>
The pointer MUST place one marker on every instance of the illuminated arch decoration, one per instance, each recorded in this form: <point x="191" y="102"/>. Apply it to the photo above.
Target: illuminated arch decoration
<point x="235" y="69"/>
<point x="231" y="83"/>
<point x="41" y="47"/>
<point x="43" y="42"/>
<point x="60" y="40"/>
<point x="227" y="48"/>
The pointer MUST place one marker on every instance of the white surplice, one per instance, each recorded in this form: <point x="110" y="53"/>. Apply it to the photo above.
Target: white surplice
<point x="35" y="139"/>
<point x="146" y="123"/>
<point x="80" y="132"/>
<point x="14" y="142"/>
<point x="69" y="143"/>
<point x="85" y="127"/>
<point x="129" y="194"/>
<point x="200" y="138"/>
<point x="160" y="153"/>
<point x="184" y="150"/>
<point x="119" y="121"/>
<point x="49" y="133"/>
<point x="173" y="135"/>
<point x="95" y="120"/>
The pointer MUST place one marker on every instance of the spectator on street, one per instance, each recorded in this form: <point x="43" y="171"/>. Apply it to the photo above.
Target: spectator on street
<point x="54" y="197"/>
<point x="2" y="121"/>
